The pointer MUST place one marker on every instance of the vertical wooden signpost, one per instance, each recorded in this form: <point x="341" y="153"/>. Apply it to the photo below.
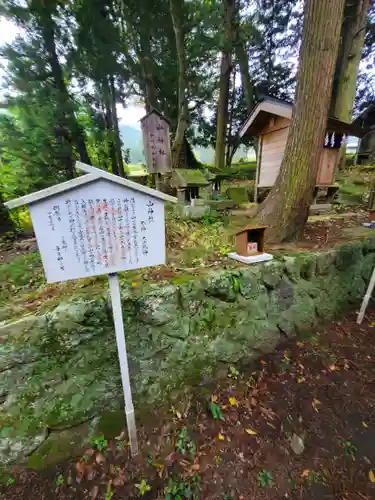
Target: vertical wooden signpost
<point x="156" y="143"/>
<point x="96" y="224"/>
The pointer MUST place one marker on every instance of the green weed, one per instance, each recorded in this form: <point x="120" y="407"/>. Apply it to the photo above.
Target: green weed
<point x="109" y="492"/>
<point x="215" y="411"/>
<point x="100" y="443"/>
<point x="350" y="449"/>
<point x="10" y="481"/>
<point x="60" y="480"/>
<point x="233" y="372"/>
<point x="183" y="488"/>
<point x="143" y="487"/>
<point x="217" y="460"/>
<point x="185" y="444"/>
<point x="264" y="478"/>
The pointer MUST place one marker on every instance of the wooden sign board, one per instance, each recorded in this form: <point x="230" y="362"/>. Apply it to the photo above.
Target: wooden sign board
<point x="99" y="228"/>
<point x="100" y="224"/>
<point x="156" y="143"/>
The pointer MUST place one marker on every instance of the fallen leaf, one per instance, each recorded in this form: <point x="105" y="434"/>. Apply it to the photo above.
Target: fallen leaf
<point x="80" y="469"/>
<point x="332" y="368"/>
<point x="315" y="403"/>
<point x="233" y="401"/>
<point x="178" y="415"/>
<point x="371" y="476"/>
<point x="220" y="437"/>
<point x="297" y="444"/>
<point x="100" y="458"/>
<point x="134" y="283"/>
<point x="214" y="398"/>
<point x="262" y="362"/>
<point x="94" y="492"/>
<point x="365" y="425"/>
<point x="299" y="343"/>
<point x="305" y="473"/>
<point x="250" y="432"/>
<point x="300" y="380"/>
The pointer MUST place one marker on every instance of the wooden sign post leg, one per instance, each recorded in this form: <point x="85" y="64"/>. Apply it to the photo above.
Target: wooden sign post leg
<point x="366" y="298"/>
<point x="114" y="288"/>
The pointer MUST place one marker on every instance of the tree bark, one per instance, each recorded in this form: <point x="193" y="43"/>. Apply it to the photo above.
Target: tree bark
<point x="176" y="10"/>
<point x="287" y="206"/>
<point x="350" y="54"/>
<point x="247" y="84"/>
<point x="110" y="133"/>
<point x="116" y="130"/>
<point x="347" y="66"/>
<point x="224" y="85"/>
<point x="64" y="97"/>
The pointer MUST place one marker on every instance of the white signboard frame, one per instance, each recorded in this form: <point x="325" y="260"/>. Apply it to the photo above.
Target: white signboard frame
<point x="100" y="224"/>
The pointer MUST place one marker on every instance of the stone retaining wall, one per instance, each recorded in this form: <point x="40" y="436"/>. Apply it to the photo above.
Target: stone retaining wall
<point x="59" y="371"/>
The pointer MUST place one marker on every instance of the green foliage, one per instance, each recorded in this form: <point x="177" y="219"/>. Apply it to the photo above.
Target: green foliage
<point x="60" y="481"/>
<point x="109" y="493"/>
<point x="264" y="478"/>
<point x="143" y="487"/>
<point x="178" y="489"/>
<point x="20" y="274"/>
<point x="349" y="448"/>
<point x="215" y="411"/>
<point x="100" y="443"/>
<point x="10" y="481"/>
<point x="185" y="444"/>
<point x="233" y="372"/>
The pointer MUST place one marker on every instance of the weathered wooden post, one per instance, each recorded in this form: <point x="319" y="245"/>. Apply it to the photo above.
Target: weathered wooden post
<point x="156" y="143"/>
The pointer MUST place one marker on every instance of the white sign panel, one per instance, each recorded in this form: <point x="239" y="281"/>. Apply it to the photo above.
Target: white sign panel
<point x="98" y="228"/>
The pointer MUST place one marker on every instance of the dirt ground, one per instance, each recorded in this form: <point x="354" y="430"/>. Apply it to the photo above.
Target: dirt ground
<point x="298" y="425"/>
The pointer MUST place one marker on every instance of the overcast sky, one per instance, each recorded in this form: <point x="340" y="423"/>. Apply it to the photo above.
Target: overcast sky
<point x="128" y="116"/>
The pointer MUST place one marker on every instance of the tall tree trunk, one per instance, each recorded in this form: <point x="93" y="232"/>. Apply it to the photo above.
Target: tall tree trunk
<point x="350" y="53"/>
<point x="224" y="85"/>
<point x="64" y="97"/>
<point x="347" y="66"/>
<point x="116" y="130"/>
<point x="110" y="127"/>
<point x="247" y="84"/>
<point x="287" y="206"/>
<point x="176" y="9"/>
<point x="230" y="142"/>
<point x="144" y="56"/>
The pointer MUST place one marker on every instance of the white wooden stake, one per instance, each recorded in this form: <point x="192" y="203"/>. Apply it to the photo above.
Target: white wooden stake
<point x="114" y="288"/>
<point x="366" y="298"/>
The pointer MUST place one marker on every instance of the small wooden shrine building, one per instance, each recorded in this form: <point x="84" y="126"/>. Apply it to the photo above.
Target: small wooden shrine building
<point x="270" y="121"/>
<point x="187" y="182"/>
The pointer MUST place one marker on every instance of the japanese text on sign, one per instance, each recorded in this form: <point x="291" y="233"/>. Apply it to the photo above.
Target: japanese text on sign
<point x="97" y="229"/>
<point x="156" y="142"/>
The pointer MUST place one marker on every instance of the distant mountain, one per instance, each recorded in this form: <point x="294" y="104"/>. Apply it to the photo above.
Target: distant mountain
<point x="132" y="139"/>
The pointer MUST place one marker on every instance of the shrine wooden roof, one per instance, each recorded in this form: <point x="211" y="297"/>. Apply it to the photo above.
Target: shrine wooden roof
<point x="93" y="174"/>
<point x="188" y="177"/>
<point x="268" y="107"/>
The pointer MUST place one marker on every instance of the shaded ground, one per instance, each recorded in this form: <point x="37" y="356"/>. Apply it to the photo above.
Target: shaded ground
<point x="318" y="390"/>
